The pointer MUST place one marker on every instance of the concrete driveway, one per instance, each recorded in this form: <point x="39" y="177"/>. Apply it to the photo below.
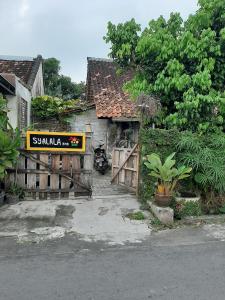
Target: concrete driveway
<point x="100" y="219"/>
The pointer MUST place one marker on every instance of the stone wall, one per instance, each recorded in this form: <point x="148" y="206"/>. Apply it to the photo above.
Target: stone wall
<point x="99" y="127"/>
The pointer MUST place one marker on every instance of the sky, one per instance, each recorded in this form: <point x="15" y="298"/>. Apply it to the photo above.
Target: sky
<point x="72" y="30"/>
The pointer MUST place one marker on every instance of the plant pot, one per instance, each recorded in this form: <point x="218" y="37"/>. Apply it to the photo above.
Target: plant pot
<point x="163" y="200"/>
<point x="188" y="197"/>
<point x="2" y="198"/>
<point x="12" y="199"/>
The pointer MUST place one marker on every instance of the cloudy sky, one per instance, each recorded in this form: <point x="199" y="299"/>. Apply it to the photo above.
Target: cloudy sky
<point x="71" y="30"/>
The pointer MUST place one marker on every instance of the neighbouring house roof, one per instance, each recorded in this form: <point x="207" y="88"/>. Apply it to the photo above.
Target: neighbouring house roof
<point x="7" y="84"/>
<point x="11" y="78"/>
<point x="105" y="89"/>
<point x="24" y="68"/>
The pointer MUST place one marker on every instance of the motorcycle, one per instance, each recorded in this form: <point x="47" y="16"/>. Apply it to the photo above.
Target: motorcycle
<point x="100" y="160"/>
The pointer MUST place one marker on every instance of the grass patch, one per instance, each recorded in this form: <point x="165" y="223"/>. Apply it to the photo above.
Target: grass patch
<point x="136" y="216"/>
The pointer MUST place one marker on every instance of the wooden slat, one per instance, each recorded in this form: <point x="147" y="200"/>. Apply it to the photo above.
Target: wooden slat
<point x="75" y="163"/>
<point x="65" y="183"/>
<point x="138" y="171"/>
<point x="88" y="161"/>
<point x="125" y="167"/>
<point x="24" y="153"/>
<point x="20" y="178"/>
<point x="31" y="178"/>
<point x="54" y="178"/>
<point x="123" y="163"/>
<point x="121" y="174"/>
<point x="48" y="190"/>
<point x="46" y="171"/>
<point x="38" y="169"/>
<point x="43" y="180"/>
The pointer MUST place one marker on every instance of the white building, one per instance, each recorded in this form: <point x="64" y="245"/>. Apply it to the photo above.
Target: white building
<point x="21" y="79"/>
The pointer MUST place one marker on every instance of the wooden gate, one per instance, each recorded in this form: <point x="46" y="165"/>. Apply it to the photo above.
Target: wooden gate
<point x="125" y="167"/>
<point x="53" y="175"/>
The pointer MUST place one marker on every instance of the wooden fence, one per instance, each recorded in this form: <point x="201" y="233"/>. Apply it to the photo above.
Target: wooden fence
<point x="125" y="167"/>
<point x="54" y="175"/>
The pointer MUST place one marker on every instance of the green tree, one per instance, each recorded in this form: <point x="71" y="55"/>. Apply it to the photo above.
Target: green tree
<point x="58" y="85"/>
<point x="181" y="62"/>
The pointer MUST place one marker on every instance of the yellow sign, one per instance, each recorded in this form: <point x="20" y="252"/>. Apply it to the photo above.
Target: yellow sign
<point x="55" y="141"/>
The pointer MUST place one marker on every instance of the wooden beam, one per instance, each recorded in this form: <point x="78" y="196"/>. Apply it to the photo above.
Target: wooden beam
<point x="34" y="171"/>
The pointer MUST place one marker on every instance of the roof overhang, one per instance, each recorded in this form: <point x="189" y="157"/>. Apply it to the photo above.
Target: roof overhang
<point x="124" y="119"/>
<point x="6" y="87"/>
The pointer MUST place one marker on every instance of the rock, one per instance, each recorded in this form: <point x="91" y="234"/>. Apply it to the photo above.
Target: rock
<point x="164" y="214"/>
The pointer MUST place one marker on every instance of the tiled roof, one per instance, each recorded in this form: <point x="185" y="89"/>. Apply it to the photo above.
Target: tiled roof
<point x="105" y="89"/>
<point x="25" y="69"/>
<point x="10" y="78"/>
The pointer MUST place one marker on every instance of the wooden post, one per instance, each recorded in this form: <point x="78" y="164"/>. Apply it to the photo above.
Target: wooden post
<point x="88" y="159"/>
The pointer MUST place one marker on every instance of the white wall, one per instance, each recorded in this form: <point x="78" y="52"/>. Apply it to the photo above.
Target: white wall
<point x="13" y="110"/>
<point x="13" y="103"/>
<point x="99" y="126"/>
<point x="38" y="86"/>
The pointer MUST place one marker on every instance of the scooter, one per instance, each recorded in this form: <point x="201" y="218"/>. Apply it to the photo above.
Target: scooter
<point x="101" y="163"/>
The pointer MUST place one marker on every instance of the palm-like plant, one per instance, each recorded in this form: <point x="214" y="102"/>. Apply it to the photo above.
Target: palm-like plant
<point x="205" y="154"/>
<point x="166" y="173"/>
<point x="9" y="140"/>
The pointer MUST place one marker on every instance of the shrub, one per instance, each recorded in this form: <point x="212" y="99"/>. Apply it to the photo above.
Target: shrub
<point x="16" y="190"/>
<point x="206" y="155"/>
<point x="186" y="208"/>
<point x="44" y="107"/>
<point x="160" y="141"/>
<point x="9" y="142"/>
<point x="166" y="173"/>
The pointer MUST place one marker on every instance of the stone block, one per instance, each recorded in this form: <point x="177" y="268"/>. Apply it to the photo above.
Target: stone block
<point x="164" y="214"/>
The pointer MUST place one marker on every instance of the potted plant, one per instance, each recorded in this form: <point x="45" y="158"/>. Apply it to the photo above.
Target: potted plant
<point x="14" y="194"/>
<point x="167" y="175"/>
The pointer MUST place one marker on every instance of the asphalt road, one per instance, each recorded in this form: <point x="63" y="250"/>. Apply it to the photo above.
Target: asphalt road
<point x="69" y="269"/>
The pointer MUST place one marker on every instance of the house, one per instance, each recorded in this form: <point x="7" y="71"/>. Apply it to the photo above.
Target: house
<point x="110" y="113"/>
<point x="21" y="79"/>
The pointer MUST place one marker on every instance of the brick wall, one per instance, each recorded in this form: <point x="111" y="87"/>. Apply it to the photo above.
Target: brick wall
<point x="51" y="125"/>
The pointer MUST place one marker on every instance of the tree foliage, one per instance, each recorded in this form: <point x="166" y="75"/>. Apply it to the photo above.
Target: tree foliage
<point x="181" y="62"/>
<point x="58" y="85"/>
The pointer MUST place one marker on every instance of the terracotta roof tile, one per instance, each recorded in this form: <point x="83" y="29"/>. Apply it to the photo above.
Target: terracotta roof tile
<point x="105" y="89"/>
<point x="24" y="69"/>
<point x="10" y="78"/>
